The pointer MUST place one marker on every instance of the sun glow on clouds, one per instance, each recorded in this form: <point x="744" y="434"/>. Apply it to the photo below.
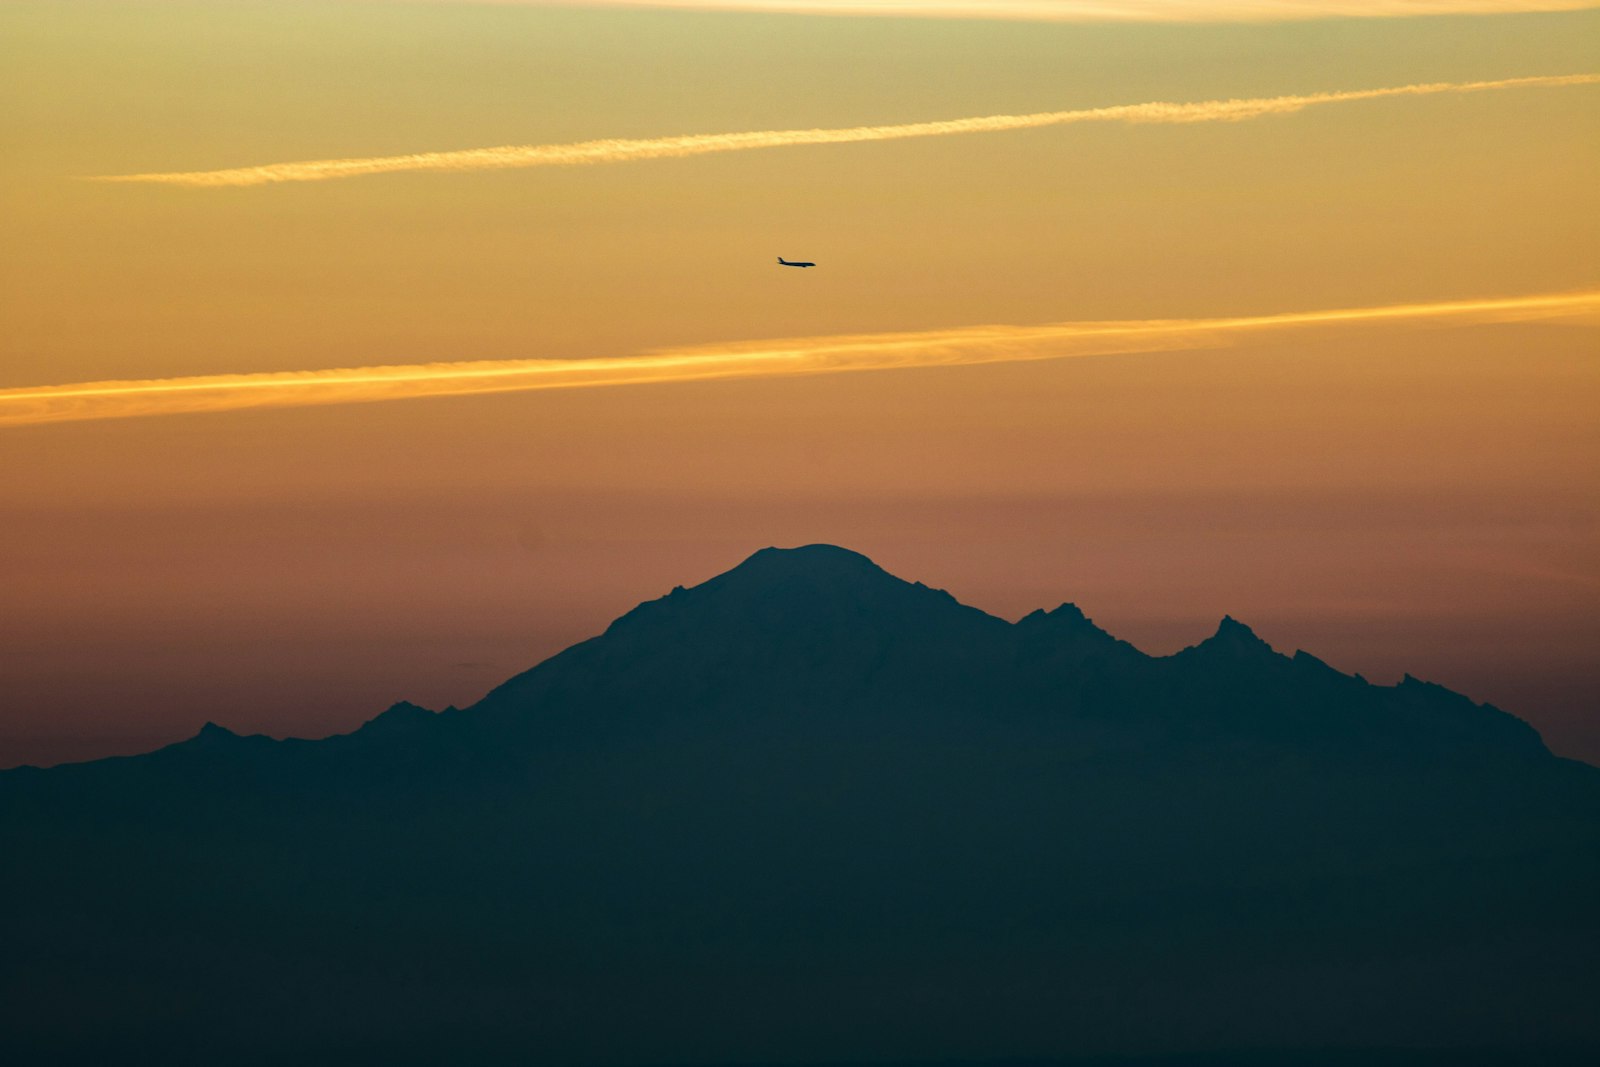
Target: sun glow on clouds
<point x="623" y="151"/>
<point x="816" y="355"/>
<point x="1102" y="10"/>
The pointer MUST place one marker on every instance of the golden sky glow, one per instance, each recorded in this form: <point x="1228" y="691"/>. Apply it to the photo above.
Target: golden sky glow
<point x="1348" y="393"/>
<point x="625" y="151"/>
<point x="1103" y="10"/>
<point x="815" y="355"/>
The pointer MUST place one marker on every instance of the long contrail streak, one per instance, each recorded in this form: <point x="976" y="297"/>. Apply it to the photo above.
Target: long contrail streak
<point x="816" y="355"/>
<point x="1107" y="10"/>
<point x="624" y="151"/>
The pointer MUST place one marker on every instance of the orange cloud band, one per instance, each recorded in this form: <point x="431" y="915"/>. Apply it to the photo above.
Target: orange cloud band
<point x="623" y="151"/>
<point x="815" y="355"/>
<point x="1099" y="10"/>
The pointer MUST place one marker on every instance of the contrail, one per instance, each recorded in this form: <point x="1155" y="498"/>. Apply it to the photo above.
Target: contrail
<point x="624" y="151"/>
<point x="1100" y="10"/>
<point x="799" y="356"/>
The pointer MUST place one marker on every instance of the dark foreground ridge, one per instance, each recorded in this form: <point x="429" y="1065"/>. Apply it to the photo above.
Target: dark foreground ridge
<point x="809" y="812"/>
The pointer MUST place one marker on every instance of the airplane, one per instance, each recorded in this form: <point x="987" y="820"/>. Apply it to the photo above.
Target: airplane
<point x="786" y="263"/>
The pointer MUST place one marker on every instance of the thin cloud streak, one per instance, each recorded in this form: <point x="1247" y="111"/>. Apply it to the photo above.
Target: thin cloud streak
<point x="625" y="151"/>
<point x="1100" y="10"/>
<point x="756" y="359"/>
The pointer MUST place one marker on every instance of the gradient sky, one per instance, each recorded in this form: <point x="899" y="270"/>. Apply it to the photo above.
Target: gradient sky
<point x="1394" y="495"/>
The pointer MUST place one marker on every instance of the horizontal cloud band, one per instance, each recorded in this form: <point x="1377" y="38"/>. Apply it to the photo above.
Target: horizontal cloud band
<point x="623" y="150"/>
<point x="1102" y="10"/>
<point x="817" y="355"/>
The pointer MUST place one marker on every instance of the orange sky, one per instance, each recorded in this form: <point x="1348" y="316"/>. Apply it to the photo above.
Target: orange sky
<point x="1411" y="495"/>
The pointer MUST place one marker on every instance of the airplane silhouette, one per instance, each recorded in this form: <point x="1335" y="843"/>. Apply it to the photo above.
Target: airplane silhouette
<point x="786" y="263"/>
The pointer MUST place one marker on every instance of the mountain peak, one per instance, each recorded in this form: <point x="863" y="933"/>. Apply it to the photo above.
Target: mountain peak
<point x="402" y="717"/>
<point x="210" y="738"/>
<point x="796" y="589"/>
<point x="1068" y="639"/>
<point x="816" y="619"/>
<point x="1233" y="639"/>
<point x="1232" y="629"/>
<point x="1066" y="613"/>
<point x="1066" y="619"/>
<point x="810" y="561"/>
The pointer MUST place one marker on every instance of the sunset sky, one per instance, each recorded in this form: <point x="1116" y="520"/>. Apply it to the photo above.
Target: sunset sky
<point x="278" y="445"/>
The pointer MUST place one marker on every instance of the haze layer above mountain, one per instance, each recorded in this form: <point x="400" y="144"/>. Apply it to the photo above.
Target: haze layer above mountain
<point x="807" y="811"/>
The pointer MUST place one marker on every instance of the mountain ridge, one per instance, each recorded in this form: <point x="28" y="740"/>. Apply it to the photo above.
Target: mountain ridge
<point x="823" y="585"/>
<point x="808" y="810"/>
<point x="762" y="592"/>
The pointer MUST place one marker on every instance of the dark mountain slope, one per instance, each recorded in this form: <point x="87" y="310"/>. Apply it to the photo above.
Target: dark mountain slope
<point x="809" y="811"/>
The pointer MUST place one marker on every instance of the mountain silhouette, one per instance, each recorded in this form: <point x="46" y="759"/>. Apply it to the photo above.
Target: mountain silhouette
<point x="809" y="812"/>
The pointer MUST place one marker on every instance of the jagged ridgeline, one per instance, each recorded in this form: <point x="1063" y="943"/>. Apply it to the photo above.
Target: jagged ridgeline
<point x="809" y="812"/>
